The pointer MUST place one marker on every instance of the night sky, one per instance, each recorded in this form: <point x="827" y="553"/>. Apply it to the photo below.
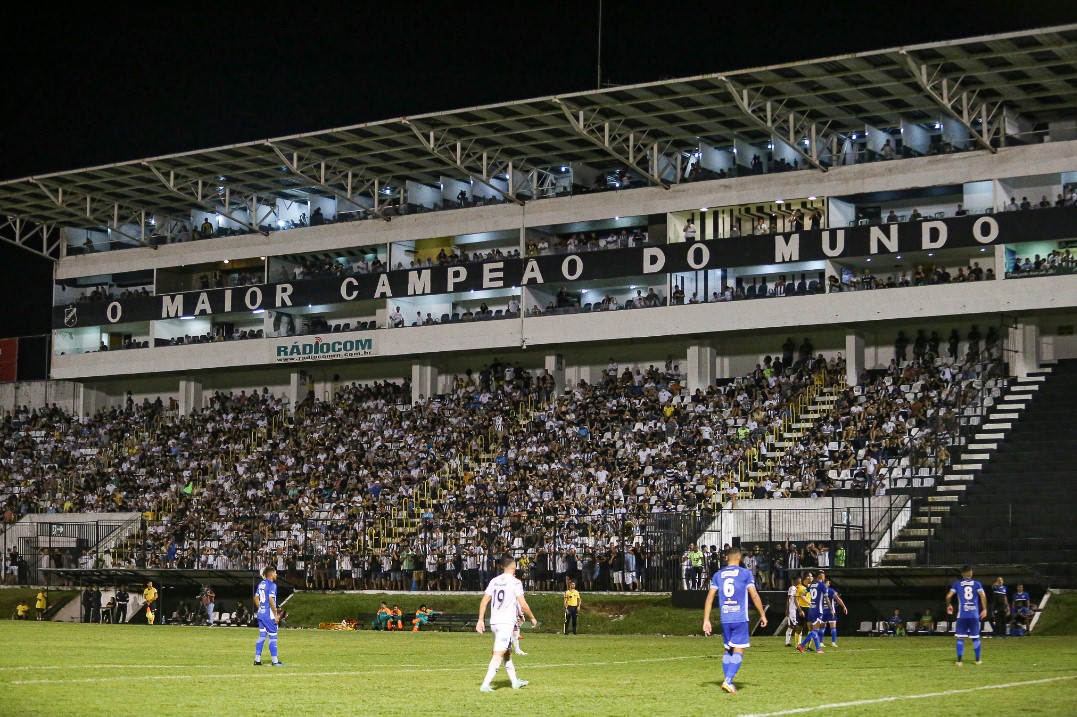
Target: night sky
<point x="101" y="83"/>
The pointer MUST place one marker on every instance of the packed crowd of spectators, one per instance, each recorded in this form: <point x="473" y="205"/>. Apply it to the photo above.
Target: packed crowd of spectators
<point x="1056" y="261"/>
<point x="373" y="490"/>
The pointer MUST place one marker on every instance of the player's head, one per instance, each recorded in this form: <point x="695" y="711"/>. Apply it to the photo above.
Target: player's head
<point x="269" y="573"/>
<point x="733" y="555"/>
<point x="897" y="611"/>
<point x="423" y="606"/>
<point x="966" y="571"/>
<point x="1020" y="587"/>
<point x="821" y="577"/>
<point x="571" y="585"/>
<point x="999" y="580"/>
<point x="384" y="605"/>
<point x="508" y="563"/>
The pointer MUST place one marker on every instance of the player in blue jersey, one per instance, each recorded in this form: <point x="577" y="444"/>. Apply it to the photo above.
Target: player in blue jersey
<point x="971" y="609"/>
<point x="818" y="599"/>
<point x="737" y="586"/>
<point x="265" y="603"/>
<point x="833" y="601"/>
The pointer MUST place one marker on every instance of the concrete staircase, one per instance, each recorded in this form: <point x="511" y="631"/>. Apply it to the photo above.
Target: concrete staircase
<point x="773" y="452"/>
<point x="929" y="513"/>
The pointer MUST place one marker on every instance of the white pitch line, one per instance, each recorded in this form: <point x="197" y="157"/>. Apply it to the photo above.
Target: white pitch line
<point x="899" y="698"/>
<point x="366" y="671"/>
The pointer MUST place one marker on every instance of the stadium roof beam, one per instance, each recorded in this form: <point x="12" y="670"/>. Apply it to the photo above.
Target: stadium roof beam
<point x="26" y="235"/>
<point x="455" y="154"/>
<point x="197" y="198"/>
<point x="627" y="147"/>
<point x="58" y="198"/>
<point x="781" y="122"/>
<point x="348" y="179"/>
<point x="962" y="106"/>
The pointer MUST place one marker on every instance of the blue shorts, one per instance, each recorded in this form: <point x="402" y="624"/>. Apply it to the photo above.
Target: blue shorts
<point x="735" y="634"/>
<point x="967" y="627"/>
<point x="829" y="617"/>
<point x="267" y="624"/>
<point x="814" y="616"/>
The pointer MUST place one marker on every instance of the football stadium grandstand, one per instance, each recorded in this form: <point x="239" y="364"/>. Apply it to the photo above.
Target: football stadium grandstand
<point x="379" y="356"/>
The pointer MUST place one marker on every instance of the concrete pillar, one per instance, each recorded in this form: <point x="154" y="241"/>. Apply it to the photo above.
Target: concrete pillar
<point x="190" y="395"/>
<point x="702" y="365"/>
<point x="555" y="364"/>
<point x="854" y="357"/>
<point x="297" y="388"/>
<point x="86" y="399"/>
<point x="424" y="379"/>
<point x="1025" y="342"/>
<point x="1000" y="262"/>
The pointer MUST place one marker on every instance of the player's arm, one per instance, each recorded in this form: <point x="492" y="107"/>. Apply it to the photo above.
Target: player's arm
<point x="480" y="627"/>
<point x="522" y="602"/>
<point x="983" y="604"/>
<point x="707" y="610"/>
<point x="273" y="608"/>
<point x="949" y="607"/>
<point x="754" y="595"/>
<point x="257" y="602"/>
<point x="842" y="603"/>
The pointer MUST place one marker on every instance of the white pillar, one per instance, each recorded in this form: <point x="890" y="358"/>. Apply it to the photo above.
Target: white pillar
<point x="555" y="364"/>
<point x="701" y="369"/>
<point x="1000" y="262"/>
<point x="190" y="395"/>
<point x="854" y="357"/>
<point x="424" y="380"/>
<point x="1026" y="347"/>
<point x="297" y="388"/>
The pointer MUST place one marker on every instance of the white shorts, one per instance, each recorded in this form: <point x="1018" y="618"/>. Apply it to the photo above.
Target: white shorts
<point x="793" y="620"/>
<point x="502" y="636"/>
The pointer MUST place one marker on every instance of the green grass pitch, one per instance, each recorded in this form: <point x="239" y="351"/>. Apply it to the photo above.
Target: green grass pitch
<point x="65" y="669"/>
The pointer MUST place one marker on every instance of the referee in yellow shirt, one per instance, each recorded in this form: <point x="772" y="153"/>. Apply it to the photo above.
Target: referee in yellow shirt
<point x="573" y="603"/>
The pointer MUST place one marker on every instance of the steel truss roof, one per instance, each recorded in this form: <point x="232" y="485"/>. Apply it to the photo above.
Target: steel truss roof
<point x="1032" y="73"/>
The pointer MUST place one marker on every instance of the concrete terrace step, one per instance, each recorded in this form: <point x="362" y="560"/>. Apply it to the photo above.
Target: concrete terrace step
<point x="916" y="532"/>
<point x="899" y="558"/>
<point x="989" y="437"/>
<point x="962" y="467"/>
<point x="1003" y="416"/>
<point x="942" y="498"/>
<point x="997" y="426"/>
<point x="982" y="446"/>
<point x="975" y="457"/>
<point x="951" y="487"/>
<point x="926" y="520"/>
<point x="1008" y="406"/>
<point x="959" y="477"/>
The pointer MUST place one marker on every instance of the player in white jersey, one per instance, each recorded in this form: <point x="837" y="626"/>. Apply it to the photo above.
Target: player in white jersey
<point x="792" y="613"/>
<point x="503" y="595"/>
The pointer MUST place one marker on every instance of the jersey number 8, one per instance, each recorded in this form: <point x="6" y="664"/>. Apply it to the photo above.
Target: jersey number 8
<point x="968" y="592"/>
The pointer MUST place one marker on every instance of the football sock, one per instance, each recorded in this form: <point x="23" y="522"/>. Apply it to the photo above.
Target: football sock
<point x="510" y="669"/>
<point x="260" y="644"/>
<point x="976" y="647"/>
<point x="273" y="647"/>
<point x="960" y="649"/>
<point x="788" y="634"/>
<point x="495" y="662"/>
<point x="734" y="664"/>
<point x="725" y="665"/>
<point x="833" y="635"/>
<point x="807" y="638"/>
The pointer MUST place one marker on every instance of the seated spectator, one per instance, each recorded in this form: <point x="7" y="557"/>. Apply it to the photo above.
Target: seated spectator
<point x="927" y="622"/>
<point x="895" y="626"/>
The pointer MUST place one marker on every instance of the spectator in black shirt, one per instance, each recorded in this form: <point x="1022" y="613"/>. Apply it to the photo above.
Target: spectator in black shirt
<point x="317" y="218"/>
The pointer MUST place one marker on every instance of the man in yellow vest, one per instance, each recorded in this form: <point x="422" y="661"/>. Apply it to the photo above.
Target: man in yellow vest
<point x="573" y="603"/>
<point x="150" y="596"/>
<point x="41" y="603"/>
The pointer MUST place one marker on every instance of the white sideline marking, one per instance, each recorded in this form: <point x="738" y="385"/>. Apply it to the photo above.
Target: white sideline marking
<point x="292" y="673"/>
<point x="898" y="698"/>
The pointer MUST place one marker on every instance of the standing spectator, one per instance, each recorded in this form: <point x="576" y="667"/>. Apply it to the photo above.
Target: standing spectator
<point x="150" y="596"/>
<point x="122" y="598"/>
<point x="87" y="604"/>
<point x="41" y="604"/>
<point x="95" y="605"/>
<point x="1000" y="607"/>
<point x="573" y="603"/>
<point x="208" y="598"/>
